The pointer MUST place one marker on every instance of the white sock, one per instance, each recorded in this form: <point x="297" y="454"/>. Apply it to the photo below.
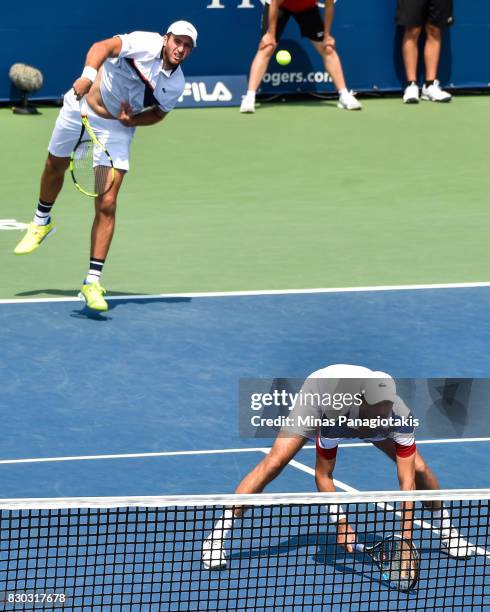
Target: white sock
<point x="223" y="526"/>
<point x="343" y="91"/>
<point x="92" y="278"/>
<point x="251" y="93"/>
<point x="43" y="211"/>
<point x="95" y="270"/>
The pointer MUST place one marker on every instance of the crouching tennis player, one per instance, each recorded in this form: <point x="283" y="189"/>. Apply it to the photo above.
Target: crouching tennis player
<point x="129" y="80"/>
<point x="377" y="401"/>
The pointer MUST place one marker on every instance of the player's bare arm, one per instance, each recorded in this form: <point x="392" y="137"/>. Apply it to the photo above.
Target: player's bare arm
<point x="96" y="56"/>
<point x="405" y="467"/>
<point x="149" y="116"/>
<point x="324" y="468"/>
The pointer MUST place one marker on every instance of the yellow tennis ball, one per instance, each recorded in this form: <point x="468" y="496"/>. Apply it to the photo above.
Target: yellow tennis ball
<point x="283" y="57"/>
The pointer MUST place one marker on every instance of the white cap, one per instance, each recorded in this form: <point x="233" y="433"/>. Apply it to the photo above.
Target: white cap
<point x="183" y="28"/>
<point x="379" y="387"/>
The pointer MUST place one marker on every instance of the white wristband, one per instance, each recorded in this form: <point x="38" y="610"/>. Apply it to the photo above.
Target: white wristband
<point x="89" y="73"/>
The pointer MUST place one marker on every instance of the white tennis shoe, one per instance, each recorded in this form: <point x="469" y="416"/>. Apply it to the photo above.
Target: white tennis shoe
<point x="434" y="93"/>
<point x="248" y="104"/>
<point x="411" y="94"/>
<point x="455" y="546"/>
<point x="348" y="101"/>
<point x="214" y="554"/>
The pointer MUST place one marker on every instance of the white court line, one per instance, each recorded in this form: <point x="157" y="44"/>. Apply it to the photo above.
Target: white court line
<point x="383" y="506"/>
<point x="218" y="451"/>
<point x="135" y="455"/>
<point x="258" y="292"/>
<point x="301" y="466"/>
<point x="308" y="470"/>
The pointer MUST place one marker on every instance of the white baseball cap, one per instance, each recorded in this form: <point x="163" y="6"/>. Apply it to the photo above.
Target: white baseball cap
<point x="183" y="28"/>
<point x="379" y="387"/>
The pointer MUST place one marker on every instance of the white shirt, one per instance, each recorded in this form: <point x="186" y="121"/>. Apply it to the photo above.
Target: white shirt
<point x="123" y="77"/>
<point x="342" y="381"/>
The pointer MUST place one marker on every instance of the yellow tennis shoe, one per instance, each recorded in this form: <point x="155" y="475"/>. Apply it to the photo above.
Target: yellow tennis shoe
<point x="93" y="296"/>
<point x="33" y="237"/>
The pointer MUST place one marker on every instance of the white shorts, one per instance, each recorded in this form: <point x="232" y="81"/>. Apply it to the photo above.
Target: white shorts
<point x="113" y="135"/>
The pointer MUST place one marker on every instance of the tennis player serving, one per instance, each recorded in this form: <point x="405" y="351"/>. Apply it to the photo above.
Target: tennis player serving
<point x="129" y="80"/>
<point x="362" y="418"/>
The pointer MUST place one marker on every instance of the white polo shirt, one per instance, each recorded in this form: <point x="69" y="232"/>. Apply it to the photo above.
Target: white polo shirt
<point x="341" y="381"/>
<point x="137" y="75"/>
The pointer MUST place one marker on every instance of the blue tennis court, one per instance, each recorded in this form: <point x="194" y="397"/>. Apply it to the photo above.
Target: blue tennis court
<point x="144" y="400"/>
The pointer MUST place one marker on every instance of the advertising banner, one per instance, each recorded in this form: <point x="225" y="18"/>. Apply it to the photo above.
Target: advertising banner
<point x="212" y="91"/>
<point x="56" y="40"/>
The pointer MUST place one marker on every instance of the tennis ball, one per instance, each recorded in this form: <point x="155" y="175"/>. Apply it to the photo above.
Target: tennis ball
<point x="283" y="57"/>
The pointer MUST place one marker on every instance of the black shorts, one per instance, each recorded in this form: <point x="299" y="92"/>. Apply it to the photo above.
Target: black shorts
<point x="310" y="22"/>
<point x="415" y="13"/>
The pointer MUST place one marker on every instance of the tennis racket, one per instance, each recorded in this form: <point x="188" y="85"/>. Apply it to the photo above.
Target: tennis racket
<point x="91" y="166"/>
<point x="398" y="560"/>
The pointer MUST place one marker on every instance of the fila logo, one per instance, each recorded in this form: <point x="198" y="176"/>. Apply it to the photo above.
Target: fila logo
<point x="199" y="92"/>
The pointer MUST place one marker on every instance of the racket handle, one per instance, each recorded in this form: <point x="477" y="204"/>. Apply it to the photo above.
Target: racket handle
<point x="83" y="107"/>
<point x="359" y="547"/>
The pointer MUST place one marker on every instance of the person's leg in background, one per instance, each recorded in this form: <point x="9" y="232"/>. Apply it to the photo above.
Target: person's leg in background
<point x="441" y="12"/>
<point x="262" y="59"/>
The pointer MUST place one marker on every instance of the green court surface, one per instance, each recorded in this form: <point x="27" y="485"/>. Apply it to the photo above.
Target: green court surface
<point x="298" y="195"/>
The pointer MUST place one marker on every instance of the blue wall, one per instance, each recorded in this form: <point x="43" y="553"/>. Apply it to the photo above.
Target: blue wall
<point x="54" y="36"/>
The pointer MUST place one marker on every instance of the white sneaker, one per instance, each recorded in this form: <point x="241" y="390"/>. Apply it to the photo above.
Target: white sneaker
<point x="411" y="94"/>
<point x="214" y="554"/>
<point x="434" y="93"/>
<point x="455" y="546"/>
<point x="348" y="101"/>
<point x="248" y="104"/>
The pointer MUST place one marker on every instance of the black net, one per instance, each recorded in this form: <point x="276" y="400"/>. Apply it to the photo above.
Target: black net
<point x="147" y="554"/>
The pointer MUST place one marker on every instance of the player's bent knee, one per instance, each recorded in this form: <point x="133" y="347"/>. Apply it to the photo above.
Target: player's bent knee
<point x="56" y="165"/>
<point x="107" y="206"/>
<point x="420" y="465"/>
<point x="274" y="465"/>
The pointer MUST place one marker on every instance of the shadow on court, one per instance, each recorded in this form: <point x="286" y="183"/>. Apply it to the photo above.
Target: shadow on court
<point x="53" y="292"/>
<point x="68" y="293"/>
<point x="325" y="551"/>
<point x="93" y="315"/>
<point x="325" y="541"/>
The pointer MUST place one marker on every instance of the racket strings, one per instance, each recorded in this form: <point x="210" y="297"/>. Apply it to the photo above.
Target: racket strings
<point x="92" y="167"/>
<point x="399" y="562"/>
